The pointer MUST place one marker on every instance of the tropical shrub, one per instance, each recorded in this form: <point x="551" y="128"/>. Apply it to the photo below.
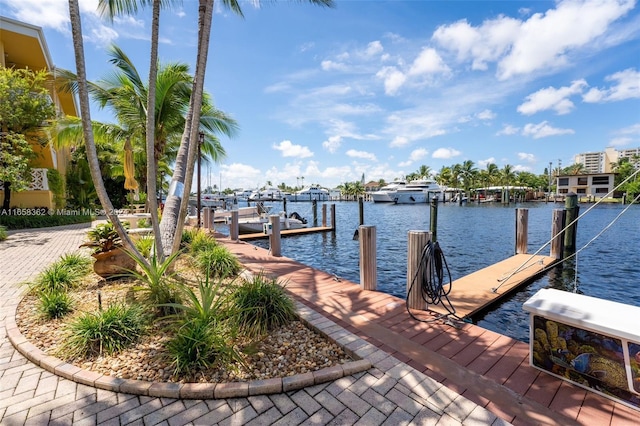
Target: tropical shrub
<point x="104" y="237"/>
<point x="145" y="245"/>
<point x="104" y="332"/>
<point x="201" y="241"/>
<point x="218" y="262"/>
<point x="76" y="262"/>
<point x="158" y="287"/>
<point x="3" y="233"/>
<point x="42" y="221"/>
<point x="261" y="304"/>
<point x="57" y="277"/>
<point x="55" y="304"/>
<point x="144" y="223"/>
<point x="187" y="237"/>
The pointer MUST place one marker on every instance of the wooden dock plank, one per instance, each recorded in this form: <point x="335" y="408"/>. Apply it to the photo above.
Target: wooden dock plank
<point x="286" y="232"/>
<point x="474" y="292"/>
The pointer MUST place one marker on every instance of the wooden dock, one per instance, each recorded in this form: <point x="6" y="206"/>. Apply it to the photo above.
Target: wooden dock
<point x="286" y="232"/>
<point x="474" y="292"/>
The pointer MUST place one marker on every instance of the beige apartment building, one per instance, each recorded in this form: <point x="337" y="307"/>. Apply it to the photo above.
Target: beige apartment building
<point x="600" y="162"/>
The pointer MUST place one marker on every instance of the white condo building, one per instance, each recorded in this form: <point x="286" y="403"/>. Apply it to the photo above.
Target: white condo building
<point x="600" y="162"/>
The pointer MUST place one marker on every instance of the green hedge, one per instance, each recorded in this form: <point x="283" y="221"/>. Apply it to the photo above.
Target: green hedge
<point x="42" y="221"/>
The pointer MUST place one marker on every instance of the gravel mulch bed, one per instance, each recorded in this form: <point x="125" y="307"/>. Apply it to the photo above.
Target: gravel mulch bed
<point x="289" y="350"/>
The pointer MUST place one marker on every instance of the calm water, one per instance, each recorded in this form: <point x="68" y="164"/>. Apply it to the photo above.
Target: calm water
<point x="472" y="237"/>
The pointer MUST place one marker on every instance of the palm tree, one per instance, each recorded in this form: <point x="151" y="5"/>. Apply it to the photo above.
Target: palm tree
<point x="92" y="156"/>
<point x="424" y="171"/>
<point x="468" y="174"/>
<point x="576" y="169"/>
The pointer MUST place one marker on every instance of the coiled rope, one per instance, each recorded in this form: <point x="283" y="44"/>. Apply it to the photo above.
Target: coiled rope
<point x="429" y="279"/>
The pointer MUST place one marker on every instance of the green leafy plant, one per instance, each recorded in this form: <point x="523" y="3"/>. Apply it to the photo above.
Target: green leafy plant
<point x="261" y="304"/>
<point x="158" y="283"/>
<point x="56" y="185"/>
<point x="104" y="332"/>
<point x="76" y="262"/>
<point x="56" y="277"/>
<point x="104" y="237"/>
<point x="187" y="237"/>
<point x="145" y="245"/>
<point x="3" y="233"/>
<point x="55" y="304"/>
<point x="201" y="241"/>
<point x="218" y="262"/>
<point x="144" y="223"/>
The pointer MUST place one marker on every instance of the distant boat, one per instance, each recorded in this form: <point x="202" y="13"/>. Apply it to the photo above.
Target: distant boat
<point x="252" y="219"/>
<point x="310" y="193"/>
<point x="415" y="192"/>
<point x="383" y="195"/>
<point x="267" y="194"/>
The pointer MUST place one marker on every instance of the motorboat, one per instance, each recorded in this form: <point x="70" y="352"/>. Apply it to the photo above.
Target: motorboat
<point x="253" y="218"/>
<point x="267" y="194"/>
<point x="382" y="195"/>
<point x="310" y="193"/>
<point x="415" y="192"/>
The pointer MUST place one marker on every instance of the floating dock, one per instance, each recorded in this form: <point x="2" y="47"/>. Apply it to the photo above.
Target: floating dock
<point x="474" y="292"/>
<point x="286" y="232"/>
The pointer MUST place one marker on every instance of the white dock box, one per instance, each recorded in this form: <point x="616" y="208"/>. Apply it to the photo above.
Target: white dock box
<point x="590" y="342"/>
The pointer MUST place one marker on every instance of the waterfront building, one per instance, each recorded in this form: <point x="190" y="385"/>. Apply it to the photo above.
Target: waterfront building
<point x="595" y="185"/>
<point x="24" y="46"/>
<point x="601" y="162"/>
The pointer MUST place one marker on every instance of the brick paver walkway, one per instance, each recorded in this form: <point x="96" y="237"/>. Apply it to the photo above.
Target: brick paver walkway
<point x="390" y="393"/>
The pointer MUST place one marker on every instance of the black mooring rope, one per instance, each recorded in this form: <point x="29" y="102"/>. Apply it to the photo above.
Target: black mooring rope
<point x="430" y="279"/>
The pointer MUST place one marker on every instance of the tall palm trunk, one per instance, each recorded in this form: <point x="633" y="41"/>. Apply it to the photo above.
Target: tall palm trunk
<point x="150" y="130"/>
<point x="177" y="202"/>
<point x="92" y="155"/>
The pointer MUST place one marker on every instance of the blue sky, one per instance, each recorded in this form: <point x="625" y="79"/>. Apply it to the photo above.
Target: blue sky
<point x="383" y="87"/>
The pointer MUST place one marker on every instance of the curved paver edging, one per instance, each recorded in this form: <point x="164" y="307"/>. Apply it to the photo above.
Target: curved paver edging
<point x="197" y="390"/>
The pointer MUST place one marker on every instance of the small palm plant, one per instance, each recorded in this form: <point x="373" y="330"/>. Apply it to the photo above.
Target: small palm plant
<point x="158" y="282"/>
<point x="218" y="261"/>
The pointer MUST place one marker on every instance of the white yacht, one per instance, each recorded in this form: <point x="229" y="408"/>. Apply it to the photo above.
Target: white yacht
<point x="268" y="194"/>
<point x="383" y="195"/>
<point x="415" y="192"/>
<point x="310" y="193"/>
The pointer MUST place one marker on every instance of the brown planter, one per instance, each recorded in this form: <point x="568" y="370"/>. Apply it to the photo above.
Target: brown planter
<point x="112" y="262"/>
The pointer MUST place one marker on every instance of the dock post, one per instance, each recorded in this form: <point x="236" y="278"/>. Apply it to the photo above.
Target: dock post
<point x="333" y="217"/>
<point x="557" y="240"/>
<point x="284" y="205"/>
<point x="368" y="260"/>
<point x="234" y="227"/>
<point x="314" y="204"/>
<point x="207" y="217"/>
<point x="571" y="208"/>
<point x="361" y="210"/>
<point x="522" y="230"/>
<point x="433" y="219"/>
<point x="324" y="215"/>
<point x="274" y="238"/>
<point x="417" y="241"/>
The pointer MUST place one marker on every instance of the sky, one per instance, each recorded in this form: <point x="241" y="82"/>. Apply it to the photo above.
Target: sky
<point x="380" y="88"/>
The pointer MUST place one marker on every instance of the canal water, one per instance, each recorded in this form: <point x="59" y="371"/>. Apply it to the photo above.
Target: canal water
<point x="473" y="236"/>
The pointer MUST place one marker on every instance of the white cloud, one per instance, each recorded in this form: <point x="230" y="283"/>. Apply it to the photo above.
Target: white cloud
<point x="543" y="130"/>
<point x="508" y="130"/>
<point x="490" y="160"/>
<point x="551" y="98"/>
<point x="621" y="141"/>
<point x="428" y="62"/>
<point x="399" y="141"/>
<point x="418" y="154"/>
<point x="530" y="158"/>
<point x="543" y="41"/>
<point x="332" y="144"/>
<point x="487" y="114"/>
<point x="521" y="168"/>
<point x="445" y="153"/>
<point x="374" y="48"/>
<point x="393" y="79"/>
<point x="626" y="86"/>
<point x="288" y="149"/>
<point x="328" y="65"/>
<point x="361" y="154"/>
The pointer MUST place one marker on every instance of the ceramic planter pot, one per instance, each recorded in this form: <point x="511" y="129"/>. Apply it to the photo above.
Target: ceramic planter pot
<point x="112" y="262"/>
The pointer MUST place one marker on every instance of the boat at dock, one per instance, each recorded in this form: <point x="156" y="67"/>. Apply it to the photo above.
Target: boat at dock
<point x="383" y="195"/>
<point x="415" y="192"/>
<point x="311" y="193"/>
<point x="253" y="218"/>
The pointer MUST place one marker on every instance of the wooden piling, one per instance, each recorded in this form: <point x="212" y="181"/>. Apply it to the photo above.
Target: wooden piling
<point x="207" y="217"/>
<point x="570" y="225"/>
<point x="314" y="205"/>
<point x="234" y="226"/>
<point x="333" y="216"/>
<point x="368" y="259"/>
<point x="417" y="240"/>
<point x="522" y="230"/>
<point x="361" y="210"/>
<point x="433" y="219"/>
<point x="324" y="215"/>
<point x="274" y="238"/>
<point x="557" y="238"/>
